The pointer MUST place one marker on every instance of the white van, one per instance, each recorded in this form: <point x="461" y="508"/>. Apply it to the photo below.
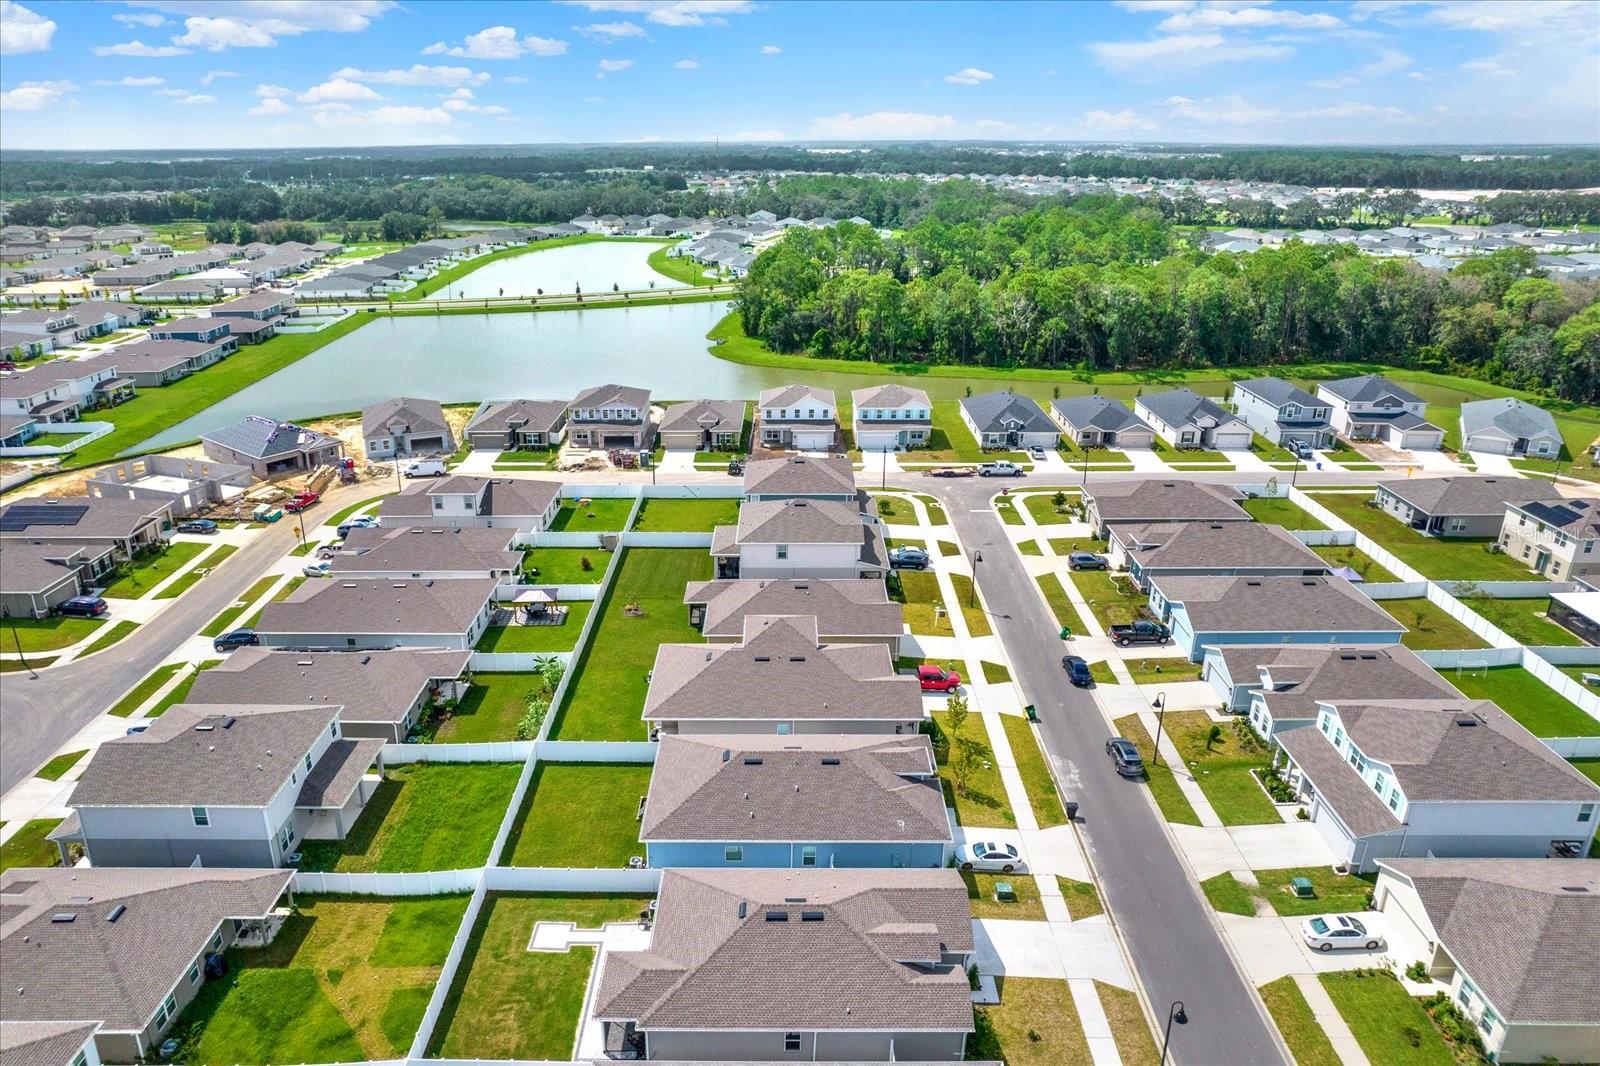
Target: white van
<point x="425" y="468"/>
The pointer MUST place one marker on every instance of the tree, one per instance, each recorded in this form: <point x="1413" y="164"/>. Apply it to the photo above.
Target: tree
<point x="955" y="713"/>
<point x="963" y="762"/>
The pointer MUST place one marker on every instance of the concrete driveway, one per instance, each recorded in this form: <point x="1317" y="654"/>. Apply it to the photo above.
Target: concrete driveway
<point x="1494" y="464"/>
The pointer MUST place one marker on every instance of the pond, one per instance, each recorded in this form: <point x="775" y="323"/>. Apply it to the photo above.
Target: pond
<point x="591" y="267"/>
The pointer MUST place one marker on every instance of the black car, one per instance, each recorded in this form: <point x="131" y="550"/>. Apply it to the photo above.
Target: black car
<point x="197" y="525"/>
<point x="908" y="558"/>
<point x="1125" y="757"/>
<point x="83" y="607"/>
<point x="735" y="467"/>
<point x="1077" y="668"/>
<point x="1087" y="561"/>
<point x="237" y="638"/>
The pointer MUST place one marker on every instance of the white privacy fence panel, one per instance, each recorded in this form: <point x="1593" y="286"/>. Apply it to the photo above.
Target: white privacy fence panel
<point x="1580" y="655"/>
<point x="551" y="879"/>
<point x="1574" y="747"/>
<point x="1470" y="658"/>
<point x="549" y="539"/>
<point x="514" y="662"/>
<point x="1394" y="590"/>
<point x="514" y="808"/>
<point x="1586" y="698"/>
<point x="572" y="491"/>
<point x="1311" y="537"/>
<point x="509" y="591"/>
<point x="732" y="490"/>
<point x="447" y="975"/>
<point x="1509" y="590"/>
<point x="483" y="751"/>
<point x="1379" y="554"/>
<point x="430" y="883"/>
<point x="639" y="751"/>
<point x="667" y="540"/>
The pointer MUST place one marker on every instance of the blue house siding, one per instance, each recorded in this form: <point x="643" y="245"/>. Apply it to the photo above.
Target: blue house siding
<point x="1197" y="649"/>
<point x="667" y="854"/>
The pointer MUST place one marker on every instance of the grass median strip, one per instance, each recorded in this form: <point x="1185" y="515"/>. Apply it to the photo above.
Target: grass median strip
<point x="177" y="587"/>
<point x="980" y="800"/>
<point x="1129" y="1030"/>
<point x="180" y="691"/>
<point x="57" y="768"/>
<point x="1226" y="893"/>
<point x="1174" y="805"/>
<point x="1307" y="1040"/>
<point x="1037" y="780"/>
<point x="223" y="622"/>
<point x="1060" y="603"/>
<point x="146" y="572"/>
<point x="1034" y="1024"/>
<point x="144" y="689"/>
<point x="109" y="636"/>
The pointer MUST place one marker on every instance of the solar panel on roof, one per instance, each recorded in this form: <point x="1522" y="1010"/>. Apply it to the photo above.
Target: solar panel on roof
<point x="20" y="516"/>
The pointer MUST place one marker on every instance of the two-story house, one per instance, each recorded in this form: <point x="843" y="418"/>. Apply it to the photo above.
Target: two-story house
<point x="224" y="785"/>
<point x="891" y="418"/>
<point x="1187" y="420"/>
<point x="406" y="426"/>
<point x="366" y="615"/>
<point x="1554" y="536"/>
<point x="61" y="390"/>
<point x="808" y="477"/>
<point x="1206" y="611"/>
<point x="611" y="416"/>
<point x="198" y="330"/>
<point x="1457" y="506"/>
<point x="1278" y="685"/>
<point x="800" y="537"/>
<point x="1283" y="412"/>
<point x="463" y="501"/>
<point x="1371" y="407"/>
<point x="802" y="417"/>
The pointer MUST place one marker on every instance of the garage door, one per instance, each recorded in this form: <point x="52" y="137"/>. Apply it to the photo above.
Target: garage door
<point x="618" y="440"/>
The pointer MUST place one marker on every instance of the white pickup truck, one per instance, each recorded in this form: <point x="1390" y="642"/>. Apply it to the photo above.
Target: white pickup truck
<point x="1001" y="468"/>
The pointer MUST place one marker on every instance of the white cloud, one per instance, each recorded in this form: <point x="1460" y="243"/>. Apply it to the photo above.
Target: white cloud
<point x="337" y="89"/>
<point x="1388" y="61"/>
<point x="1214" y="17"/>
<point x="879" y="125"/>
<point x="271" y="106"/>
<point x="23" y="31"/>
<point x="198" y="98"/>
<point x="410" y="116"/>
<point x="140" y="50"/>
<point x="1350" y="109"/>
<point x="771" y="50"/>
<point x="1181" y="52"/>
<point x="220" y="34"/>
<point x="174" y="93"/>
<point x="37" y="95"/>
<point x="213" y="75"/>
<point x="148" y="19"/>
<point x="672" y="12"/>
<point x="1492" y="65"/>
<point x="1123" y="121"/>
<point x="610" y="31"/>
<point x="969" y="76"/>
<point x="416" y="74"/>
<point x="1229" y="110"/>
<point x="1417" y="75"/>
<point x="462" y="101"/>
<point x="611" y="66"/>
<point x="271" y="91"/>
<point x="514" y="79"/>
<point x="498" y="42"/>
<point x="136" y="83"/>
<point x="687" y="64"/>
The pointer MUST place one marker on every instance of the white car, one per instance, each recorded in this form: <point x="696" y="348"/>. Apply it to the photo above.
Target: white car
<point x="317" y="568"/>
<point x="1002" y="858"/>
<point x="1325" y="932"/>
<point x="1036" y="452"/>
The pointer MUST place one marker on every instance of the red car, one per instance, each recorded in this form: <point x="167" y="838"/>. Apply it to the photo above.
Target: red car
<point x="936" y="679"/>
<point x="301" y="501"/>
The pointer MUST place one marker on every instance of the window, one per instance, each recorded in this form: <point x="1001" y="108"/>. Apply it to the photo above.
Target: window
<point x="166" y="1012"/>
<point x="194" y="973"/>
<point x="791" y="1042"/>
<point x="1488" y="1021"/>
<point x="216" y="941"/>
<point x="733" y="853"/>
<point x="783" y="551"/>
<point x="1457" y="525"/>
<point x="308" y="762"/>
<point x="1586" y="812"/>
<point x="201" y="815"/>
<point x="80" y="1059"/>
<point x="808" y="856"/>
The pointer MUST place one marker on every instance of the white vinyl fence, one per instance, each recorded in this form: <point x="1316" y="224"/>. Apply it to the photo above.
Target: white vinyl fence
<point x="483" y="751"/>
<point x="431" y="883"/>
<point x="639" y="751"/>
<point x="550" y="879"/>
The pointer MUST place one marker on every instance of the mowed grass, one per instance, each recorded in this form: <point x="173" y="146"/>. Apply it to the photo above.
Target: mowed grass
<point x="1542" y="710"/>
<point x="45" y="634"/>
<point x="1523" y="620"/>
<point x="1061" y="604"/>
<point x="1174" y="805"/>
<point x="223" y="622"/>
<point x="1046" y="512"/>
<point x="1222" y="768"/>
<point x="580" y="814"/>
<point x="539" y="638"/>
<point x="56" y="768"/>
<point x="983" y="902"/>
<point x="28" y="846"/>
<point x="1333" y="893"/>
<point x="144" y="689"/>
<point x="918" y="591"/>
<point x="347" y="978"/>
<point x="981" y="801"/>
<point x="424" y="816"/>
<point x="1428" y="626"/>
<point x="490" y="710"/>
<point x="178" y="587"/>
<point x="1390" y="1025"/>
<point x="1228" y="894"/>
<point x="1337" y="555"/>
<point x="1129" y="1029"/>
<point x="511" y="1003"/>
<point x="660" y="515"/>
<point x="139" y="577"/>
<point x="1440" y="558"/>
<point x="1034" y="1024"/>
<point x="605" y="699"/>
<point x="566" y="566"/>
<point x="1114" y="601"/>
<point x="1043" y="796"/>
<point x="179" y="692"/>
<point x="108" y="636"/>
<point x="1307" y="1040"/>
<point x="1281" y="512"/>
<point x="602" y="515"/>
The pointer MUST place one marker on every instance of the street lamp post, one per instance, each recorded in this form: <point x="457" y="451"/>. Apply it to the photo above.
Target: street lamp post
<point x="1175" y="1013"/>
<point x="972" y="593"/>
<point x="883" y="477"/>
<point x="1160" y="705"/>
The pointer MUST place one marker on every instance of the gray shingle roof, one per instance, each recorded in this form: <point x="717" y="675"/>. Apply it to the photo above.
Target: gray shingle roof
<point x="799" y="522"/>
<point x="782" y="396"/>
<point x="1368" y="388"/>
<point x="417" y="416"/>
<point x="34" y="568"/>
<point x="346" y="608"/>
<point x="1218" y="545"/>
<point x="846" y="607"/>
<point x="709" y="968"/>
<point x="335" y="776"/>
<point x="717" y="416"/>
<point x="742" y="787"/>
<point x="42" y="1043"/>
<point x="1006" y="412"/>
<point x="1518" y="929"/>
<point x="534" y="416"/>
<point x="602" y="395"/>
<point x="1150" y="500"/>
<point x="1097" y="412"/>
<point x="1338" y="784"/>
<point x="101" y="517"/>
<point x="1468" y="494"/>
<point x="371" y="686"/>
<point x="1513" y="417"/>
<point x="427" y="549"/>
<point x="53" y="374"/>
<point x="1277" y="391"/>
<point x="1243" y="604"/>
<point x="890" y="395"/>
<point x="261" y="437"/>
<point x="800" y="475"/>
<point x="1303" y="674"/>
<point x="498" y="497"/>
<point x="1180" y="407"/>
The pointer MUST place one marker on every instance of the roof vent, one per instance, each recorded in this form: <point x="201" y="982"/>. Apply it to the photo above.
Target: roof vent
<point x="830" y="760"/>
<point x="772" y="916"/>
<point x="116" y="912"/>
<point x="744" y="909"/>
<point x="1466" y="721"/>
<point x="797" y="658"/>
<point x="1574" y="888"/>
<point x="227" y="723"/>
<point x="303" y="662"/>
<point x="205" y="727"/>
<point x="365" y="659"/>
<point x="1253" y="584"/>
<point x="63" y="917"/>
<point x="794" y="899"/>
<point x="763" y="658"/>
<point x="811" y="916"/>
<point x="726" y="754"/>
<point x="752" y="760"/>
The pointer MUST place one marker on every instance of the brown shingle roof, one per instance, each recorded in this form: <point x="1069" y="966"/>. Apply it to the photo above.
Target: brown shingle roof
<point x="427" y="549"/>
<point x="718" y="416"/>
<point x="344" y="608"/>
<point x="1466" y="495"/>
<point x="1219" y="545"/>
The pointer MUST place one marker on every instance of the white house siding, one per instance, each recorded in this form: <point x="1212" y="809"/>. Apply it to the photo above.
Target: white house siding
<point x="804" y="560"/>
<point x="830" y="1046"/>
<point x="852" y="727"/>
<point x="167" y="836"/>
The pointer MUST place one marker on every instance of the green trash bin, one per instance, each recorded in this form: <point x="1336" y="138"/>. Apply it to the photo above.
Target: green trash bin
<point x="1031" y="712"/>
<point x="1066" y="633"/>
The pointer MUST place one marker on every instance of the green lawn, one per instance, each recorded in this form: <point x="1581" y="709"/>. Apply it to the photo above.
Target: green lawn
<point x="935" y="509"/>
<point x="1337" y="555"/>
<point x="360" y="505"/>
<point x="1113" y="599"/>
<point x="1428" y="626"/>
<point x="950" y="441"/>
<point x="679" y="268"/>
<point x="1524" y="621"/>
<point x="1391" y="1026"/>
<point x="995" y="674"/>
<point x="511" y="1003"/>
<point x="1102" y="674"/>
<point x="180" y="691"/>
<point x="1228" y="894"/>
<point x="1006" y="508"/>
<point x="918" y="591"/>
<point x="603" y="515"/>
<point x="982" y="799"/>
<point x="1301" y="1031"/>
<point x="1281" y="512"/>
<point x="1060" y="605"/>
<point x="224" y="622"/>
<point x="685" y="516"/>
<point x="606" y="697"/>
<point x="491" y="708"/>
<point x="1171" y="669"/>
<point x="1129" y="1027"/>
<point x="45" y="634"/>
<point x="563" y="637"/>
<point x="135" y="579"/>
<point x="1540" y="708"/>
<point x="1034" y="1024"/>
<point x="1082" y="898"/>
<point x="144" y="689"/>
<point x="895" y="510"/>
<point x="1589" y="768"/>
<point x="971" y="606"/>
<point x="56" y="768"/>
<point x="1335" y="893"/>
<point x="1222" y="768"/>
<point x="565" y="566"/>
<point x="1174" y="805"/>
<point x="109" y="636"/>
<point x="1463" y="559"/>
<point x="580" y="814"/>
<point x="1027" y="907"/>
<point x="28" y="846"/>
<point x="1044" y="510"/>
<point x="210" y="562"/>
<point x="1036" y="776"/>
<point x="1270" y="452"/>
<point x="424" y="816"/>
<point x="346" y="978"/>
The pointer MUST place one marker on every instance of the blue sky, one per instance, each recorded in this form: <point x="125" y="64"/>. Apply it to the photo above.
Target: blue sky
<point x="209" y="73"/>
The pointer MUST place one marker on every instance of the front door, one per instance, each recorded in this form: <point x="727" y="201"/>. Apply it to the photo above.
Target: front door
<point x="1540" y="561"/>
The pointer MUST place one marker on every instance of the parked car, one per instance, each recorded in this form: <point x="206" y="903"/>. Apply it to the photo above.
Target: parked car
<point x="300" y="501"/>
<point x="83" y="607"/>
<point x="1001" y="858"/>
<point x="1001" y="468"/>
<point x="1087" y="561"/>
<point x="1326" y="932"/>
<point x="937" y="679"/>
<point x="135" y="730"/>
<point x="426" y="468"/>
<point x="1036" y="452"/>
<point x="197" y="525"/>
<point x="360" y="521"/>
<point x="235" y="638"/>
<point x="317" y="568"/>
<point x="908" y="558"/>
<point x="949" y="471"/>
<point x="1302" y="449"/>
<point x="1125" y="757"/>
<point x="1077" y="668"/>
<point x="1141" y="632"/>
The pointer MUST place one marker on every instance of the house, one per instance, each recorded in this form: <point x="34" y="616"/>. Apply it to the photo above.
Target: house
<point x="223" y="785"/>
<point x="1278" y="685"/>
<point x="263" y="307"/>
<point x="1100" y="422"/>
<point x="1211" y="610"/>
<point x="1451" y="777"/>
<point x="1466" y="506"/>
<point x="428" y="553"/>
<point x="1006" y="420"/>
<point x="183" y="290"/>
<point x="518" y="424"/>
<point x="1555" y="536"/>
<point x="403" y="426"/>
<point x="848" y="610"/>
<point x="1185" y="419"/>
<point x="1513" y="942"/>
<point x="123" y="948"/>
<point x="891" y="418"/>
<point x="1371" y="407"/>
<point x="833" y="802"/>
<point x="1283" y="412"/>
<point x="383" y="694"/>
<point x="19" y="346"/>
<point x="270" y="448"/>
<point x="62" y="327"/>
<point x="17" y="430"/>
<point x="339" y="285"/>
<point x="190" y="328"/>
<point x="1509" y="427"/>
<point x="460" y="502"/>
<point x="364" y="615"/>
<point x="611" y="416"/>
<point x="62" y="389"/>
<point x="161" y="362"/>
<point x="804" y="965"/>
<point x="1148" y="501"/>
<point x="124" y="526"/>
<point x="704" y="426"/>
<point x="1166" y="549"/>
<point x="49" y="1044"/>
<point x="780" y="678"/>
<point x="34" y="578"/>
<point x="800" y="538"/>
<point x="808" y="477"/>
<point x="184" y="485"/>
<point x="801" y="417"/>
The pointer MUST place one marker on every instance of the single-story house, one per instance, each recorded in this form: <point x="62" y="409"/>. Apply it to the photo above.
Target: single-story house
<point x="17" y="430"/>
<point x="804" y="965"/>
<point x="1206" y="611"/>
<point x="186" y="485"/>
<point x="704" y="426"/>
<point x="462" y="501"/>
<point x="808" y="477"/>
<point x="802" y="417"/>
<point x="1006" y="420"/>
<point x="1278" y="685"/>
<point x="404" y="426"/>
<point x="1283" y="412"/>
<point x="800" y="538"/>
<point x="611" y="416"/>
<point x="1147" y="501"/>
<point x="161" y="362"/>
<point x="1371" y="407"/>
<point x="270" y="448"/>
<point x="34" y="578"/>
<point x="814" y="800"/>
<point x="428" y="553"/>
<point x="364" y="615"/>
<point x="1100" y="422"/>
<point x="107" y="316"/>
<point x="1185" y="419"/>
<point x="123" y="525"/>
<point x="1509" y="426"/>
<point x="891" y="418"/>
<point x="1458" y="506"/>
<point x="223" y="785"/>
<point x="510" y="424"/>
<point x="780" y="678"/>
<point x="847" y="610"/>
<point x="49" y="1044"/>
<point x="1166" y="549"/>
<point x="196" y="290"/>
<point x="259" y="306"/>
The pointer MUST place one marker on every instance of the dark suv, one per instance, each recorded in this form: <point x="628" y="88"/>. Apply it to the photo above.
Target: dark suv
<point x="83" y="607"/>
<point x="1125" y="757"/>
<point x="237" y="638"/>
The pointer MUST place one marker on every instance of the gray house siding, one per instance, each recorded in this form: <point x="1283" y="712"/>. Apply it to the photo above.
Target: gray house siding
<point x="167" y="836"/>
<point x="828" y="1046"/>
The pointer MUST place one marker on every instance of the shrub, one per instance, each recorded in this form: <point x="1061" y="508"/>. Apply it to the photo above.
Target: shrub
<point x="1417" y="971"/>
<point x="1302" y="815"/>
<point x="1213" y="735"/>
<point x="584" y="564"/>
<point x="532" y="718"/>
<point x="972" y="974"/>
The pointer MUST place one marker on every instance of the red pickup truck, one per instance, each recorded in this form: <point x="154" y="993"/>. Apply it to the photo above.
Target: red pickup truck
<point x="301" y="501"/>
